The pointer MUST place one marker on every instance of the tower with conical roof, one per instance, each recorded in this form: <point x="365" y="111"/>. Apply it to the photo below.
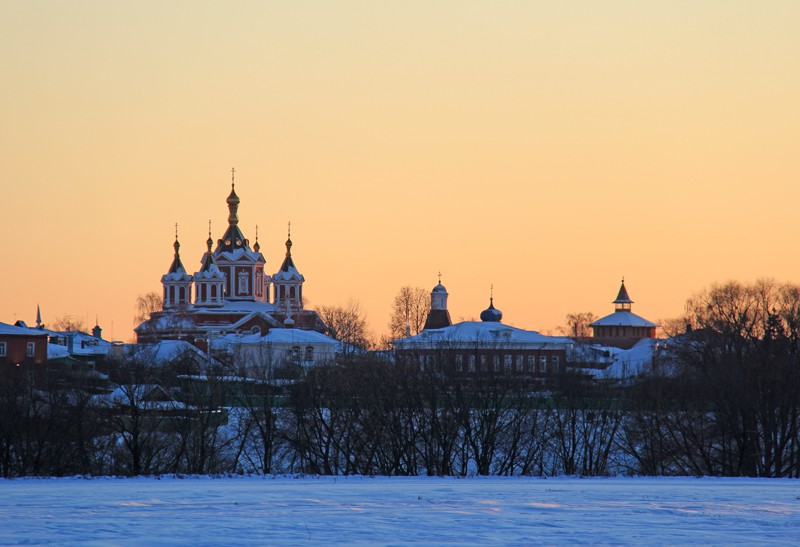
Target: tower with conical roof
<point x="209" y="282"/>
<point x="177" y="283"/>
<point x="288" y="282"/>
<point x="438" y="316"/>
<point x="623" y="328"/>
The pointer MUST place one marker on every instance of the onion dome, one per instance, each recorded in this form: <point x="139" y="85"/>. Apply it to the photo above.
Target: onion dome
<point x="209" y="241"/>
<point x="491" y="314"/>
<point x="233" y="239"/>
<point x="233" y="207"/>
<point x="288" y="264"/>
<point x="177" y="265"/>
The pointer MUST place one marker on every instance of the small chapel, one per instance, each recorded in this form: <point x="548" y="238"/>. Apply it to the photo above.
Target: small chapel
<point x="230" y="293"/>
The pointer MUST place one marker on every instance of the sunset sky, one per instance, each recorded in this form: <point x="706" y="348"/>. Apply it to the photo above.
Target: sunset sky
<point x="547" y="148"/>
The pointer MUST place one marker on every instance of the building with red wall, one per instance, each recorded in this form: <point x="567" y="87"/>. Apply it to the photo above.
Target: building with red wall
<point x="231" y="293"/>
<point x="20" y="345"/>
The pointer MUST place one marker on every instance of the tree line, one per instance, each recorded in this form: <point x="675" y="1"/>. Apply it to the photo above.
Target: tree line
<point x="722" y="399"/>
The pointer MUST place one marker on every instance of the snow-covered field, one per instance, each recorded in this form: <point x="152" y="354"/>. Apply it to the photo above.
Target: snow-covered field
<point x="376" y="511"/>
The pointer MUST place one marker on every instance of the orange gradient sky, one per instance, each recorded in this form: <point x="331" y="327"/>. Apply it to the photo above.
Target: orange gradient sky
<point x="548" y="148"/>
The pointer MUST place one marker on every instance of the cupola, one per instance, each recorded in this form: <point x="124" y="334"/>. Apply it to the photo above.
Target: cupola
<point x="438" y="316"/>
<point x="491" y="314"/>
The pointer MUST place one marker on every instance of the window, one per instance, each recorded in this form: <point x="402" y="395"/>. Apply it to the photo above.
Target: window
<point x="472" y="363"/>
<point x="554" y="363"/>
<point x="296" y="353"/>
<point x="543" y="364"/>
<point x="520" y="364"/>
<point x="507" y="362"/>
<point x="309" y="353"/>
<point x="496" y="363"/>
<point x="459" y="363"/>
<point x="31" y="349"/>
<point x="531" y="364"/>
<point x="3" y="349"/>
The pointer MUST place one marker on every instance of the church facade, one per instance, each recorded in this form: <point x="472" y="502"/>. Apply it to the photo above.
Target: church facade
<point x="230" y="293"/>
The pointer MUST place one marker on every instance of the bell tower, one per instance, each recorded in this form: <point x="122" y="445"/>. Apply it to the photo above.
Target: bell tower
<point x="288" y="282"/>
<point x="177" y="283"/>
<point x="209" y="282"/>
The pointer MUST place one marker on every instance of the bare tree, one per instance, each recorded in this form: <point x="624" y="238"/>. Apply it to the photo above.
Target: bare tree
<point x="577" y="324"/>
<point x="348" y="324"/>
<point x="69" y="323"/>
<point x="146" y="304"/>
<point x="409" y="310"/>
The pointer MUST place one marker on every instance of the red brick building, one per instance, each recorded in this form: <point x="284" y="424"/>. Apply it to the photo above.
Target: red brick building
<point x="622" y="328"/>
<point x="232" y="292"/>
<point x="473" y="348"/>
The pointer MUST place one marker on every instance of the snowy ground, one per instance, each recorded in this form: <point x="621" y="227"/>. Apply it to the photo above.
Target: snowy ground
<point x="396" y="511"/>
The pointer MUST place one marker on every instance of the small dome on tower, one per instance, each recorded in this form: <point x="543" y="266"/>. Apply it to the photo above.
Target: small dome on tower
<point x="439" y="288"/>
<point x="491" y="314"/>
<point x="233" y="199"/>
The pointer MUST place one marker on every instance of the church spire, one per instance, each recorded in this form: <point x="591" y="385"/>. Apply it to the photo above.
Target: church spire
<point x="233" y="201"/>
<point x="257" y="247"/>
<point x="288" y="262"/>
<point x="177" y="283"/>
<point x="288" y="282"/>
<point x="623" y="301"/>
<point x="233" y="238"/>
<point x="177" y="265"/>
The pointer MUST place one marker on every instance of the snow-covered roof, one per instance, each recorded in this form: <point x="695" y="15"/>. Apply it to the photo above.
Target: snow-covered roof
<point x="82" y="343"/>
<point x="622" y="319"/>
<point x="239" y="255"/>
<point x="13" y="330"/>
<point x="167" y="351"/>
<point x="55" y="351"/>
<point x="148" y="396"/>
<point x="287" y="337"/>
<point x="480" y="333"/>
<point x="185" y="319"/>
<point x="629" y="363"/>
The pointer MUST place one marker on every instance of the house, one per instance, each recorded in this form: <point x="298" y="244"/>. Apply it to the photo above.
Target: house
<point x="21" y="345"/>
